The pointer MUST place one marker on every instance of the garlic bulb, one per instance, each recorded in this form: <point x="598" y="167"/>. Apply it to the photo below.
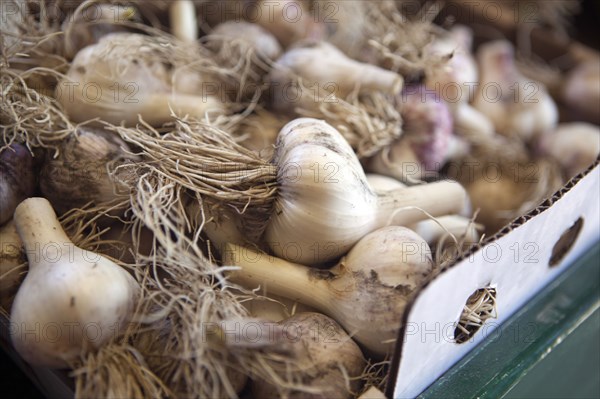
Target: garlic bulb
<point x="80" y="172"/>
<point x="516" y="106"/>
<point x="324" y="73"/>
<point x="263" y="42"/>
<point x="581" y="91"/>
<point x="504" y="192"/>
<point x="423" y="147"/>
<point x="366" y="292"/>
<point x="288" y="20"/>
<point x="17" y="179"/>
<point x="71" y="299"/>
<point x="324" y="204"/>
<point x="574" y="145"/>
<point x="89" y="23"/>
<point x="323" y="356"/>
<point x="454" y="79"/>
<point x="122" y="78"/>
<point x="182" y="17"/>
<point x="13" y="264"/>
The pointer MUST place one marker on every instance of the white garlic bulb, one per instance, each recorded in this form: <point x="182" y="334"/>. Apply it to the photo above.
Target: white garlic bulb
<point x="121" y="78"/>
<point x="324" y="73"/>
<point x="325" y="205"/>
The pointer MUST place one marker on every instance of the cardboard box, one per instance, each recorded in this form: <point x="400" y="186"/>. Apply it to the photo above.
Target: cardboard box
<point x="517" y="262"/>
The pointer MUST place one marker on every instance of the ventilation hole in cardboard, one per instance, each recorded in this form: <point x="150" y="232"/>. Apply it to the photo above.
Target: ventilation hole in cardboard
<point x="565" y="242"/>
<point x="480" y="306"/>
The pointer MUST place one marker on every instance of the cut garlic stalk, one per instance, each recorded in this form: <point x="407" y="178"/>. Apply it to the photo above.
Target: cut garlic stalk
<point x="74" y="299"/>
<point x="366" y="292"/>
<point x="325" y="205"/>
<point x="119" y="80"/>
<point x="296" y="82"/>
<point x="182" y="17"/>
<point x="17" y="179"/>
<point x="516" y="106"/>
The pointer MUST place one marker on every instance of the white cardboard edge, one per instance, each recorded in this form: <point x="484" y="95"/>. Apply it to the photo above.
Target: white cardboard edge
<point x="516" y="265"/>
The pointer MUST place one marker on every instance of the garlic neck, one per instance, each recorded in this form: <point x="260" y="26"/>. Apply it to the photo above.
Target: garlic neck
<point x="277" y="276"/>
<point x="399" y="207"/>
<point x="38" y="226"/>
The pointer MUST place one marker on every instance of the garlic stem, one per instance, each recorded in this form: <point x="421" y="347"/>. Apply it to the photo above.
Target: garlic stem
<point x="277" y="276"/>
<point x="37" y="224"/>
<point x="405" y="206"/>
<point x="184" y="24"/>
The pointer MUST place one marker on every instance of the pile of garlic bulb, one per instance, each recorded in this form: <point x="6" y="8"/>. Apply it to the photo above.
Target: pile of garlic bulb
<point x="162" y="125"/>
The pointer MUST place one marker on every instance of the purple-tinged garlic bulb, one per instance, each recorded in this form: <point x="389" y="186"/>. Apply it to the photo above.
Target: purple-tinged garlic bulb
<point x="427" y="132"/>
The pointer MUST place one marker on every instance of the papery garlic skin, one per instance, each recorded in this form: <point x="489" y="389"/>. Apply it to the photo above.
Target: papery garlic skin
<point x="17" y="179"/>
<point x="366" y="292"/>
<point x="80" y="172"/>
<point x="574" y="145"/>
<point x="325" y="205"/>
<point x="516" y="106"/>
<point x="81" y="296"/>
<point x="118" y="81"/>
<point x="324" y="73"/>
<point x="319" y="350"/>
